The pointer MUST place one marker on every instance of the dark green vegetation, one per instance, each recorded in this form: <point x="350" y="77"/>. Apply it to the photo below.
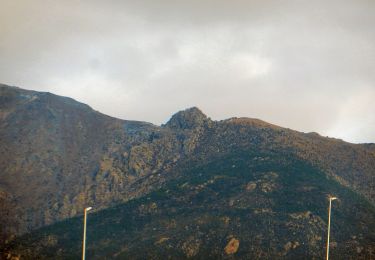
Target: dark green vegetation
<point x="274" y="204"/>
<point x="194" y="187"/>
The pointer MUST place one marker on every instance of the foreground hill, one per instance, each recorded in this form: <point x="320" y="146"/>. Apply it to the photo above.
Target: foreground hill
<point x="59" y="155"/>
<point x="247" y="205"/>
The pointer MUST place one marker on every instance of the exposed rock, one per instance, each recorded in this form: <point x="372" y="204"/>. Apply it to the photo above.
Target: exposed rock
<point x="187" y="119"/>
<point x="232" y="246"/>
<point x="267" y="187"/>
<point x="148" y="208"/>
<point x="301" y="215"/>
<point x="251" y="186"/>
<point x="191" y="247"/>
<point x="226" y="220"/>
<point x="162" y="240"/>
<point x="291" y="245"/>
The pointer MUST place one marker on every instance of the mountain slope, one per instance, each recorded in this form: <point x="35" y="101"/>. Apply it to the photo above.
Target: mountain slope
<point x="59" y="155"/>
<point x="264" y="205"/>
<point x="48" y="144"/>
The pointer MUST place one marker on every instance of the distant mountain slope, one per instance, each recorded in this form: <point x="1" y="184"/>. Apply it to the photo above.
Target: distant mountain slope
<point x="49" y="145"/>
<point x="248" y="205"/>
<point x="59" y="155"/>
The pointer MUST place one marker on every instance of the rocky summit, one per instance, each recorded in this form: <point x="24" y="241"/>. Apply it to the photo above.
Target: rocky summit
<point x="195" y="188"/>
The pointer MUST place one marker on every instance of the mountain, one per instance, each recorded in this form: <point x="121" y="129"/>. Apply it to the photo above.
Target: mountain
<point x="193" y="187"/>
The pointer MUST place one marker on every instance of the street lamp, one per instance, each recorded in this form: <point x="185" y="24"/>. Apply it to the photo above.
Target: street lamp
<point x="84" y="233"/>
<point x="329" y="223"/>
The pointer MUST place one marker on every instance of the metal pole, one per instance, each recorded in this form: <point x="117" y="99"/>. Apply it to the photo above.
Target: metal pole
<point x="329" y="224"/>
<point x="329" y="227"/>
<point x="84" y="235"/>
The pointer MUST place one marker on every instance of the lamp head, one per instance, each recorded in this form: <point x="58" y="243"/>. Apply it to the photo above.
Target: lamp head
<point x="333" y="198"/>
<point x="88" y="208"/>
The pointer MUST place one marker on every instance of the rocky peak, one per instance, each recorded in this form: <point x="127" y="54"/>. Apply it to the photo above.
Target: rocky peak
<point x="187" y="119"/>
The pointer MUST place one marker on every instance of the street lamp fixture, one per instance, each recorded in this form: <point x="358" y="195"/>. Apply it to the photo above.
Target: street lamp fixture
<point x="84" y="232"/>
<point x="331" y="198"/>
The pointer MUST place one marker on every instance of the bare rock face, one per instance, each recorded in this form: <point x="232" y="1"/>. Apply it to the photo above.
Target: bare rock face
<point x="291" y="245"/>
<point x="232" y="246"/>
<point x="191" y="247"/>
<point x="187" y="119"/>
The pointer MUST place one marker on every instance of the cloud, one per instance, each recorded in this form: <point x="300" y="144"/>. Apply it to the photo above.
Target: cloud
<point x="300" y="64"/>
<point x="355" y="117"/>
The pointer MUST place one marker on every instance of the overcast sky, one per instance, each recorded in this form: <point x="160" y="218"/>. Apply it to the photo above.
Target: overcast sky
<point x="307" y="65"/>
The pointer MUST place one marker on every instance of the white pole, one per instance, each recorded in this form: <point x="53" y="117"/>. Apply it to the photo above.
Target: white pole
<point x="329" y="224"/>
<point x="84" y="233"/>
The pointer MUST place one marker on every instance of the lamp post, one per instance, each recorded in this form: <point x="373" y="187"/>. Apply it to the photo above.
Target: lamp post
<point x="329" y="223"/>
<point x="84" y="233"/>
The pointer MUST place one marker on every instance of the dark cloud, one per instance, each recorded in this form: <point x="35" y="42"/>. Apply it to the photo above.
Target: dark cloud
<point x="307" y="65"/>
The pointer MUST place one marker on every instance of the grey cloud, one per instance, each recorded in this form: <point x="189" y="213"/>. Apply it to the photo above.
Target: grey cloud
<point x="307" y="65"/>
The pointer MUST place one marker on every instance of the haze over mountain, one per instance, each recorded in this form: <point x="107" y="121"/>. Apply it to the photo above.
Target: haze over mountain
<point x="183" y="189"/>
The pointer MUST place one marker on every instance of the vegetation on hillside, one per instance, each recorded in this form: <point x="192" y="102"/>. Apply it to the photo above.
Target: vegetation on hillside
<point x="249" y="205"/>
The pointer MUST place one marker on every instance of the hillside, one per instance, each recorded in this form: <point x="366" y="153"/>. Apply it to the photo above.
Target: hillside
<point x="59" y="155"/>
<point x="248" y="205"/>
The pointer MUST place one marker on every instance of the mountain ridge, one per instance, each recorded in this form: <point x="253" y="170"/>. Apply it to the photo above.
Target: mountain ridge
<point x="250" y="120"/>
